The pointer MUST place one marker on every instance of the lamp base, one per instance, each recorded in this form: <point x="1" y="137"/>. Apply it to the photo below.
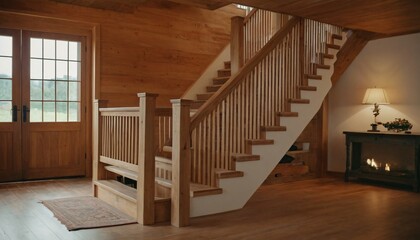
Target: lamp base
<point x="374" y="128"/>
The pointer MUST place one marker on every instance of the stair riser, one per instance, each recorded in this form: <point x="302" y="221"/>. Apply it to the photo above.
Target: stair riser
<point x="116" y="201"/>
<point x="213" y="89"/>
<point x="203" y="96"/>
<point x="223" y="73"/>
<point x="219" y="81"/>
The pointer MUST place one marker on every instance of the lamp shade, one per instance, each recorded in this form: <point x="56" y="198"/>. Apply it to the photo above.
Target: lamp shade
<point x="375" y="95"/>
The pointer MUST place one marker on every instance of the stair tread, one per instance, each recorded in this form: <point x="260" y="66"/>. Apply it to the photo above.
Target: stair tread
<point x="118" y="188"/>
<point x="122" y="190"/>
<point x="333" y="46"/>
<point x="326" y="55"/>
<point x="221" y="78"/>
<point x="323" y="66"/>
<point x="122" y="171"/>
<point x="259" y="141"/>
<point x="163" y="159"/>
<point x="298" y="100"/>
<point x="167" y="148"/>
<point x="204" y="96"/>
<point x="223" y="173"/>
<point x="273" y="128"/>
<point x="307" y="88"/>
<point x="287" y="114"/>
<point x="337" y="36"/>
<point x="315" y="77"/>
<point x="213" y="88"/>
<point x="196" y="189"/>
<point x="296" y="152"/>
<point x="243" y="157"/>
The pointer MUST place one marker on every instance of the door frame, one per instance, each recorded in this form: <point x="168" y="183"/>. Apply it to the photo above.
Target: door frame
<point x="36" y="22"/>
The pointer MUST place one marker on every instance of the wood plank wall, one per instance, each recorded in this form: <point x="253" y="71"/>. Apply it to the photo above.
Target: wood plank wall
<point x="161" y="47"/>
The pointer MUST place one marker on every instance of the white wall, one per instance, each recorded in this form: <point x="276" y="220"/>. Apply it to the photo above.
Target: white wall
<point x="390" y="63"/>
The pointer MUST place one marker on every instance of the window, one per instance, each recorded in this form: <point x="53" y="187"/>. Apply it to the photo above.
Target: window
<point x="55" y="74"/>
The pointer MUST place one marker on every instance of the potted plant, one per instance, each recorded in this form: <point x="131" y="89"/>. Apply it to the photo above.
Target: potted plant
<point x="398" y="125"/>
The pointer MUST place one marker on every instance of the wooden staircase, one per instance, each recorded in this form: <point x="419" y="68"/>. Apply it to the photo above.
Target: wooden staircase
<point x="240" y="128"/>
<point x="262" y="155"/>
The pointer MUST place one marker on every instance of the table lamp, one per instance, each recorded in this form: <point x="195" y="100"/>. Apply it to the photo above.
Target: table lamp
<point x="375" y="96"/>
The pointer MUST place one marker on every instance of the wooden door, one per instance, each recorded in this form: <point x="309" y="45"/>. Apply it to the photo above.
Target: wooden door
<point x="53" y="105"/>
<point x="10" y="99"/>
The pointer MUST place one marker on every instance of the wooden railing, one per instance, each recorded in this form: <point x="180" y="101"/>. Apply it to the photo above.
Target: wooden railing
<point x="315" y="36"/>
<point x="120" y="133"/>
<point x="258" y="28"/>
<point x="249" y="100"/>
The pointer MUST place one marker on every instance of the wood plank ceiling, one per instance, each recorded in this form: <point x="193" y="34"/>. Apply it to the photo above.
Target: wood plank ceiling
<point x="392" y="17"/>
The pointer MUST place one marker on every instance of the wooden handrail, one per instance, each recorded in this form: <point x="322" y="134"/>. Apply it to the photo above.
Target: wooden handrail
<point x="159" y="111"/>
<point x="250" y="14"/>
<point x="236" y="79"/>
<point x="119" y="109"/>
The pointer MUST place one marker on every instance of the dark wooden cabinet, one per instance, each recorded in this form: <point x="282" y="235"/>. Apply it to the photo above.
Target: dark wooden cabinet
<point x="383" y="156"/>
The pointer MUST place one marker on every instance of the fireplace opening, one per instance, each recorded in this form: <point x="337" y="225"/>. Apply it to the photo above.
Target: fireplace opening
<point x="393" y="160"/>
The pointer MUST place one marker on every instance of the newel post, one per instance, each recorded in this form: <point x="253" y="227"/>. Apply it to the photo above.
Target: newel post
<point x="98" y="170"/>
<point x="146" y="161"/>
<point x="236" y="44"/>
<point x="180" y="193"/>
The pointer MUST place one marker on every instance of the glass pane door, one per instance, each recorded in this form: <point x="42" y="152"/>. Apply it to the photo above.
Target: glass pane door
<point x="6" y="75"/>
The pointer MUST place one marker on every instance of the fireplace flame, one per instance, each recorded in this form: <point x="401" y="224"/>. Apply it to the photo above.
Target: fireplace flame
<point x="387" y="167"/>
<point x="372" y="163"/>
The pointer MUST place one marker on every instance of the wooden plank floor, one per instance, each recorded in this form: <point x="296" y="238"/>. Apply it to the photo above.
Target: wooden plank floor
<point x="312" y="209"/>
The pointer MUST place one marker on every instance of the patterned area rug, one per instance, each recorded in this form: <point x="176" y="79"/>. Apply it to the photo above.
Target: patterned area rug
<point x="86" y="212"/>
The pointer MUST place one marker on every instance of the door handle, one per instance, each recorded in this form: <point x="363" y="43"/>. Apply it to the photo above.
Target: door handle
<point x="14" y="113"/>
<point x="25" y="111"/>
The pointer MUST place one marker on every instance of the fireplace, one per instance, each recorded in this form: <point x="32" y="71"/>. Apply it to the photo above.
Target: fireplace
<point x="383" y="157"/>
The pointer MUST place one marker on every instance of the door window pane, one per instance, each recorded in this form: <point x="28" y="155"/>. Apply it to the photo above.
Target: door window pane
<point x="5" y="111"/>
<point x="74" y="51"/>
<point x="6" y="46"/>
<point x="49" y="69"/>
<point x="49" y="90"/>
<point x="74" y="112"/>
<point x="74" y="71"/>
<point x="62" y="49"/>
<point x="62" y="112"/>
<point x="49" y="49"/>
<point x="61" y="91"/>
<point x="49" y="112"/>
<point x="36" y="90"/>
<point x="36" y="111"/>
<point x="5" y="89"/>
<point x="36" y="69"/>
<point x="55" y="80"/>
<point x="36" y="48"/>
<point x="74" y="91"/>
<point x="62" y="73"/>
<point x="5" y="67"/>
